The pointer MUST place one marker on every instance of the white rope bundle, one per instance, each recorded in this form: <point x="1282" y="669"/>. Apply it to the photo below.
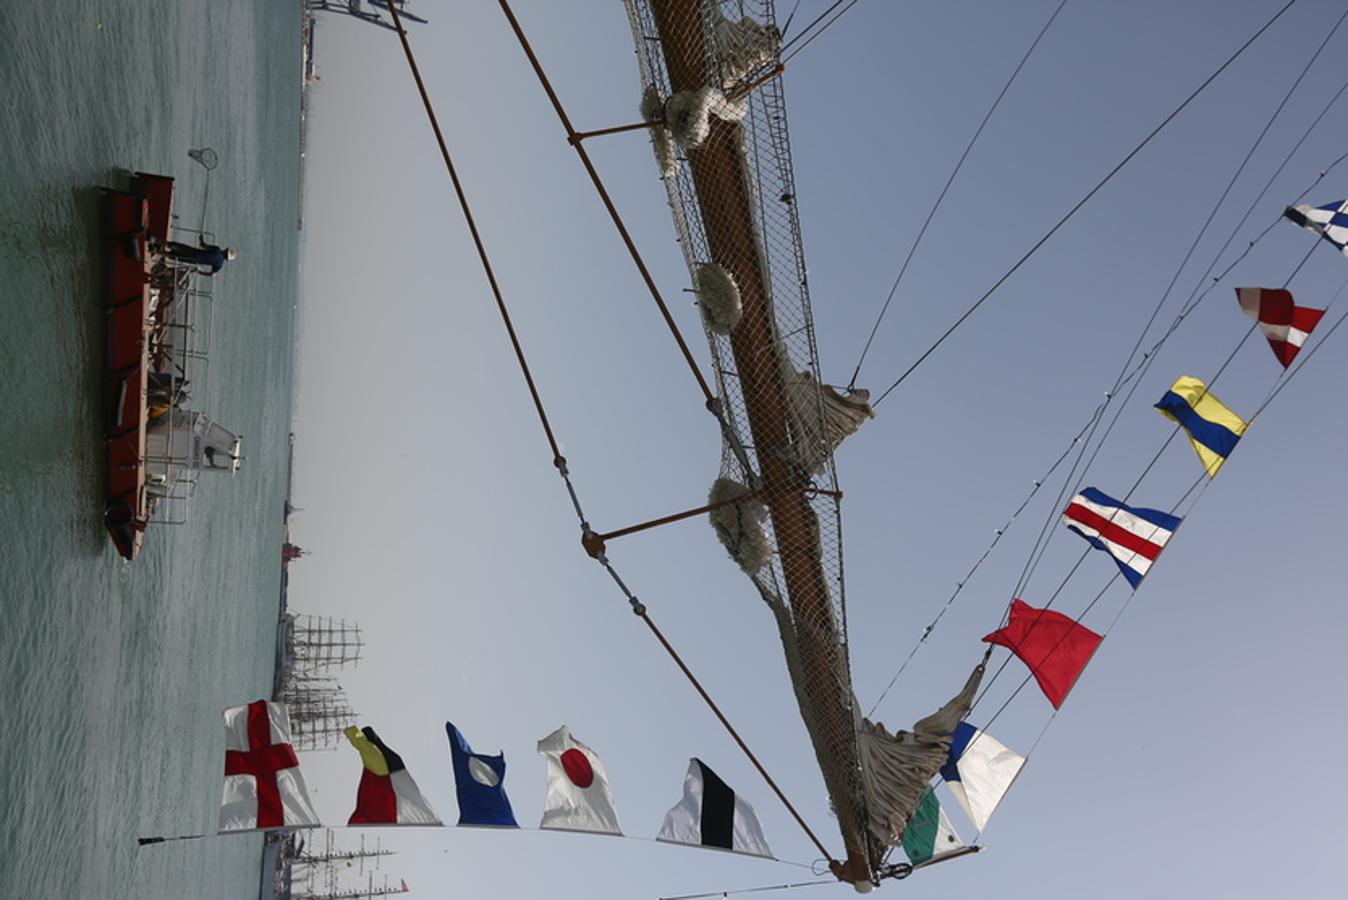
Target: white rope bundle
<point x="740" y="525"/>
<point x="688" y="114"/>
<point x="718" y="297"/>
<point x="662" y="142"/>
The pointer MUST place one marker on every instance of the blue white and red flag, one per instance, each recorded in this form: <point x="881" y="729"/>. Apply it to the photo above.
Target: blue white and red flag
<point x="1134" y="536"/>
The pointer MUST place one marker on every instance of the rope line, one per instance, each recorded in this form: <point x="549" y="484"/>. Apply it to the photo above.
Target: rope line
<point x="477" y="237"/>
<point x="734" y="734"/>
<point x="941" y="197"/>
<point x="752" y="890"/>
<point x="806" y="30"/>
<point x="618" y="223"/>
<point x="1080" y="203"/>
<point x="959" y="585"/>
<point x="1226" y="192"/>
<point x="659" y="843"/>
<point x="786" y="26"/>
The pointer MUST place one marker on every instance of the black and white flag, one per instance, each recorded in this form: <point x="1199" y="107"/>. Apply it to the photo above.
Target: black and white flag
<point x="712" y="815"/>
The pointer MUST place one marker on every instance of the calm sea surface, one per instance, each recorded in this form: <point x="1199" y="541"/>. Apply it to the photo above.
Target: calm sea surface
<point x="113" y="674"/>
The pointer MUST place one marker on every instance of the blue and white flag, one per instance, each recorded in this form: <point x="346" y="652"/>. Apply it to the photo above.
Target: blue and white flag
<point x="479" y="782"/>
<point x="979" y="772"/>
<point x="1134" y="536"/>
<point x="1329" y="221"/>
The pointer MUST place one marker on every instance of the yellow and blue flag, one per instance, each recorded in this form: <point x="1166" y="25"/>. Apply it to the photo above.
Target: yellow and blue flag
<point x="1213" y="429"/>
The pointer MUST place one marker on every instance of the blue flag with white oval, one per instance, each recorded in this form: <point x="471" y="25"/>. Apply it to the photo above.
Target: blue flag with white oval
<point x="479" y="781"/>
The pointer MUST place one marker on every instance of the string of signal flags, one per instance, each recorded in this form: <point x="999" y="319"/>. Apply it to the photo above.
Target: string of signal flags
<point x="264" y="790"/>
<point x="1055" y="647"/>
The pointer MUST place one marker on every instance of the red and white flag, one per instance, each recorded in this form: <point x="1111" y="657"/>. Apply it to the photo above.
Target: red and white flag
<point x="263" y="785"/>
<point x="1285" y="324"/>
<point x="578" y="795"/>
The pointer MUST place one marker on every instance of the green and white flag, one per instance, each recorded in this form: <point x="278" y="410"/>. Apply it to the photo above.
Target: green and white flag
<point x="929" y="832"/>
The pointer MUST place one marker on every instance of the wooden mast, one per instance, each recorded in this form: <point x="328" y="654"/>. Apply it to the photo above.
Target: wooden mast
<point x="727" y="206"/>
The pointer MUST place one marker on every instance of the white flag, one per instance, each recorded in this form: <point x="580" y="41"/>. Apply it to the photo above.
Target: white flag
<point x="712" y="815"/>
<point x="263" y="785"/>
<point x="578" y="795"/>
<point x="979" y="772"/>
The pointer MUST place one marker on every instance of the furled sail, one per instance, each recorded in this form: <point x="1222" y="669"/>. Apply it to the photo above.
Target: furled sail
<point x="742" y="47"/>
<point x="821" y="418"/>
<point x="897" y="769"/>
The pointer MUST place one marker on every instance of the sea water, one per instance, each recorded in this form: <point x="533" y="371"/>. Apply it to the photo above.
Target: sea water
<point x="113" y="674"/>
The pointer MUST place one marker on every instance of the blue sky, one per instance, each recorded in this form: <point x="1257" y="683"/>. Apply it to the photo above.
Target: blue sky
<point x="1201" y="729"/>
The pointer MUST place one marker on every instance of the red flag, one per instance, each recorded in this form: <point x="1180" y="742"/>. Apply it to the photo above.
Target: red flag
<point x="1285" y="324"/>
<point x="1054" y="646"/>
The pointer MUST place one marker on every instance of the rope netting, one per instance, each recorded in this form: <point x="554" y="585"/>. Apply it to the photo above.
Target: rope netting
<point x="709" y="71"/>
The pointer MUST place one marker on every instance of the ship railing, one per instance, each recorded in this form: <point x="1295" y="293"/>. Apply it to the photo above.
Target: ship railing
<point x="170" y="491"/>
<point x="202" y="235"/>
<point x="186" y="309"/>
<point x="179" y="356"/>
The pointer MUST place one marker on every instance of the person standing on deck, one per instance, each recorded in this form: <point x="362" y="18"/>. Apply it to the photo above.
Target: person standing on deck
<point x="209" y="256"/>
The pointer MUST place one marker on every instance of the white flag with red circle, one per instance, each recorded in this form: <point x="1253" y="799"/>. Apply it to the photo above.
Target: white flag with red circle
<point x="578" y="795"/>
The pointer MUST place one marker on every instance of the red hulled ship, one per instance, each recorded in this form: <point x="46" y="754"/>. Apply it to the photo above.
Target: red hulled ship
<point x="158" y="319"/>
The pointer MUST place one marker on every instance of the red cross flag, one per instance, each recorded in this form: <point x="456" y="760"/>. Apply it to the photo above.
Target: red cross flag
<point x="263" y="786"/>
